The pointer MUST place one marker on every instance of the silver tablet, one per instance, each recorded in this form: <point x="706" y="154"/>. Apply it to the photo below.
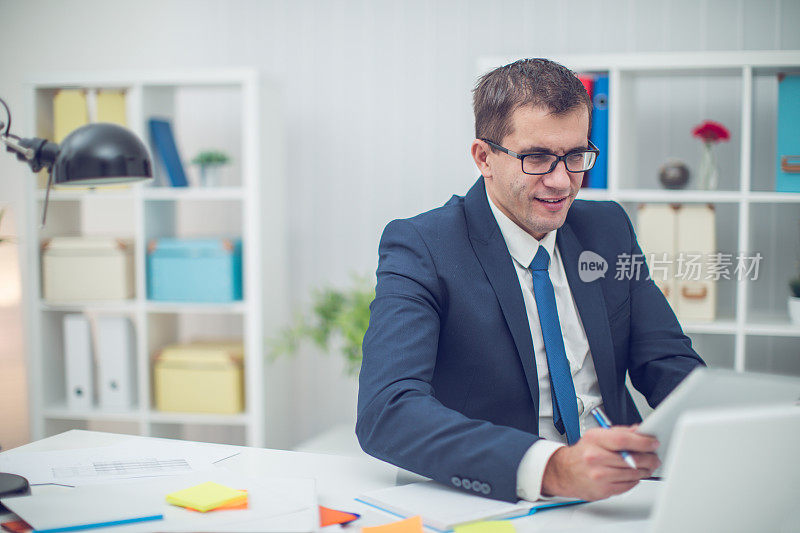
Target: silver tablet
<point x="714" y="388"/>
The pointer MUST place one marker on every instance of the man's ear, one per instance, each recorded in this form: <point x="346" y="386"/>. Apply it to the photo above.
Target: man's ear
<point x="480" y="153"/>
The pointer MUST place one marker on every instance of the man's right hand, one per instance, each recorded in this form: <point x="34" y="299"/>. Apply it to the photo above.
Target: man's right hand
<point x="592" y="469"/>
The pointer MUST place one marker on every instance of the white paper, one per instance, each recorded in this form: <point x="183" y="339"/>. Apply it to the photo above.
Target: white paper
<point x="274" y="504"/>
<point x="108" y="464"/>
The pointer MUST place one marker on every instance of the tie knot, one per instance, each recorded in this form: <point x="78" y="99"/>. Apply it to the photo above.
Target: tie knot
<point x="541" y="260"/>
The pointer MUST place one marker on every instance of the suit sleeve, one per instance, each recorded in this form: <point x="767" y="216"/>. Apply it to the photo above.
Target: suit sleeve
<point x="660" y="355"/>
<point x="399" y="418"/>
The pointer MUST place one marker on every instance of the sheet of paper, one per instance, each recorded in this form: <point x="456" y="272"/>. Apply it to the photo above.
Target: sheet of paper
<point x="272" y="504"/>
<point x="80" y="507"/>
<point x="409" y="525"/>
<point x="128" y="460"/>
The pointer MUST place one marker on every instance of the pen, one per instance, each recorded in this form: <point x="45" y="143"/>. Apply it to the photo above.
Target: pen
<point x="604" y="422"/>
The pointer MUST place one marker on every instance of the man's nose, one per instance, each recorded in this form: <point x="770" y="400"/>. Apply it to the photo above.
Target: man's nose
<point x="558" y="178"/>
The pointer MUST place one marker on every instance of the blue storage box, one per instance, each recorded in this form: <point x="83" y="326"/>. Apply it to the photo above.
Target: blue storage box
<point x="194" y="270"/>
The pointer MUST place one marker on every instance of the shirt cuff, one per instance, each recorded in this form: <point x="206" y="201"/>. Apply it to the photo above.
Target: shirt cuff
<point x="530" y="471"/>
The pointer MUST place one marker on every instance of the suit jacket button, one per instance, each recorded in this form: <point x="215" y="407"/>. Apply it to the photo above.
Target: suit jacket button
<point x="485" y="488"/>
<point x="466" y="483"/>
<point x="456" y="481"/>
<point x="476" y="486"/>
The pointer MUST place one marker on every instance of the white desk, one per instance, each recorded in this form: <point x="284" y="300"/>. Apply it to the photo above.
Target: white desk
<point x="340" y="479"/>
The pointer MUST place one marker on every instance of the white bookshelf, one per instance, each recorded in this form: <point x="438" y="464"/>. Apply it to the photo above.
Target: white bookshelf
<point x="231" y="109"/>
<point x="654" y="101"/>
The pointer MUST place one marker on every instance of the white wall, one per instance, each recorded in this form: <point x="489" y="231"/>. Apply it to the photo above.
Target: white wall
<point x="377" y="97"/>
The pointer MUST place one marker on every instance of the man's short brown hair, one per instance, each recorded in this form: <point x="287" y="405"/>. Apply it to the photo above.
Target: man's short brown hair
<point x="537" y="82"/>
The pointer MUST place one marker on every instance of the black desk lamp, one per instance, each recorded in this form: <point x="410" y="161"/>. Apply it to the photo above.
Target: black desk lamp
<point x="95" y="154"/>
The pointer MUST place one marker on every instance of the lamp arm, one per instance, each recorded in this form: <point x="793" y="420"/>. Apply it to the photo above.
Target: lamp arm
<point x="38" y="153"/>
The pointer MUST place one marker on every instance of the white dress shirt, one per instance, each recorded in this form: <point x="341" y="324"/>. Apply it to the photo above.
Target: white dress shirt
<point x="523" y="247"/>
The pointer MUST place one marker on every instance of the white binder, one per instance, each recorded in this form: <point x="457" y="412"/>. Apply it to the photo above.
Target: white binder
<point x="115" y="360"/>
<point x="78" y="362"/>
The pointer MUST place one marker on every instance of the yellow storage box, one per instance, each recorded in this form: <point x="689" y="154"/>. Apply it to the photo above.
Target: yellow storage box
<point x="201" y="377"/>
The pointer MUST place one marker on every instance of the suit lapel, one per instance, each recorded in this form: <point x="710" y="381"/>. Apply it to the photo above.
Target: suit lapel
<point x="492" y="252"/>
<point x="592" y="310"/>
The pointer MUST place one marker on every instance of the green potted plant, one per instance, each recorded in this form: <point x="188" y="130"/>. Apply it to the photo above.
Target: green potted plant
<point x="338" y="319"/>
<point x="210" y="163"/>
<point x="794" y="300"/>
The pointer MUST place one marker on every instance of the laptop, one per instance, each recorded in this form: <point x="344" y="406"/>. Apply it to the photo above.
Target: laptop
<point x="730" y="471"/>
<point x="733" y="470"/>
<point x="716" y="388"/>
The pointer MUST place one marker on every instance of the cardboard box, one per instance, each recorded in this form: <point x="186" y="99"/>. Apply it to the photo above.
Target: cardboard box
<point x="194" y="270"/>
<point x="87" y="268"/>
<point x="201" y="377"/>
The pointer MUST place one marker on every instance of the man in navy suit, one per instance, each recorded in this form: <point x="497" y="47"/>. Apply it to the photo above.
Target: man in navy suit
<point x="490" y="340"/>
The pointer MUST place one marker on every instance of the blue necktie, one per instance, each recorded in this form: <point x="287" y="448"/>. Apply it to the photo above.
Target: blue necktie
<point x="565" y="405"/>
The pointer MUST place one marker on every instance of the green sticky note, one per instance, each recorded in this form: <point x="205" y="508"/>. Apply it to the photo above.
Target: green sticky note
<point x="206" y="496"/>
<point x="491" y="526"/>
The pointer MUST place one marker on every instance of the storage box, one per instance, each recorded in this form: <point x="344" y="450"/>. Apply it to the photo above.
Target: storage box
<point x="787" y="174"/>
<point x="200" y="378"/>
<point x="87" y="268"/>
<point x="677" y="235"/>
<point x="194" y="270"/>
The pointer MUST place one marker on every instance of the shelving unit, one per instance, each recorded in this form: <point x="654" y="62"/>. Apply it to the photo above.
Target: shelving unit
<point x="654" y="101"/>
<point x="230" y="109"/>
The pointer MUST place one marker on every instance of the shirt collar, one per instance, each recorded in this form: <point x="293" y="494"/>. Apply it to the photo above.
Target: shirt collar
<point x="521" y="245"/>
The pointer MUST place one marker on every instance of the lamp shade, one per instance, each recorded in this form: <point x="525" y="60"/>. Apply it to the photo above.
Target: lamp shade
<point x="100" y="153"/>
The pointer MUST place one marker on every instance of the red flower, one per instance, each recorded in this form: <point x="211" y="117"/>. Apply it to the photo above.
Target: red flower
<point x="711" y="132"/>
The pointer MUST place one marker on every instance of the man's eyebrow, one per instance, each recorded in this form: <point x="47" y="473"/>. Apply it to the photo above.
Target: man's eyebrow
<point x="539" y="149"/>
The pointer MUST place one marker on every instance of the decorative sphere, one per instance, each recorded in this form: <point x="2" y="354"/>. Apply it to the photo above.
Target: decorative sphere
<point x="674" y="174"/>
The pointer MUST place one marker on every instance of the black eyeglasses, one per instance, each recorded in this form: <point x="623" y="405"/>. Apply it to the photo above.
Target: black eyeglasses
<point x="537" y="163"/>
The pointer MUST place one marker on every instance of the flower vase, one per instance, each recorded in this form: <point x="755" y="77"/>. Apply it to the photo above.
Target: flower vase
<point x="709" y="173"/>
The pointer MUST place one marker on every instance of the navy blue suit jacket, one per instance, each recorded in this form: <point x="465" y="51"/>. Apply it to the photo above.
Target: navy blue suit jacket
<point x="448" y="386"/>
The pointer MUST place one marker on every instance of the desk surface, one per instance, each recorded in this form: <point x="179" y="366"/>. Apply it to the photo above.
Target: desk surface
<point x="340" y="479"/>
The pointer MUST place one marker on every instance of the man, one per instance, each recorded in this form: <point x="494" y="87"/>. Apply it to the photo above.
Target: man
<point x="486" y="351"/>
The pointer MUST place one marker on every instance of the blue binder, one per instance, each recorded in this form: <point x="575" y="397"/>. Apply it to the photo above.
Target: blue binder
<point x="167" y="152"/>
<point x="787" y="173"/>
<point x="598" y="176"/>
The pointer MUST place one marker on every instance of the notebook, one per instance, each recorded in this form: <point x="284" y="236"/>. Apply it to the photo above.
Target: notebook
<point x="443" y="508"/>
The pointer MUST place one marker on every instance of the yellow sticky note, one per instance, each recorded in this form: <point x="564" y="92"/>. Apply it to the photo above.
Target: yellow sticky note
<point x="206" y="496"/>
<point x="490" y="526"/>
<point x="409" y="525"/>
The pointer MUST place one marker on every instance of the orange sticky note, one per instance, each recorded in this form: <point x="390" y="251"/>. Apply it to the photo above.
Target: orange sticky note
<point x="409" y="525"/>
<point x="328" y="517"/>
<point x="17" y="526"/>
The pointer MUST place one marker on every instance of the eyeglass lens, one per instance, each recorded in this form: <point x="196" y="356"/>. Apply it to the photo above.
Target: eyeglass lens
<point x="544" y="163"/>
